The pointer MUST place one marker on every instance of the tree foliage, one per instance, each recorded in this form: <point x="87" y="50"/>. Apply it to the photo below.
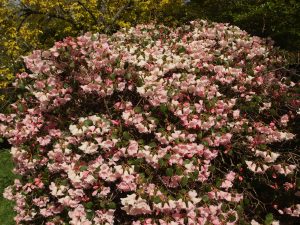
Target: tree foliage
<point x="278" y="19"/>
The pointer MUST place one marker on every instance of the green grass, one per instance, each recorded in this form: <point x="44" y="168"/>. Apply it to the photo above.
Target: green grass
<point x="6" y="179"/>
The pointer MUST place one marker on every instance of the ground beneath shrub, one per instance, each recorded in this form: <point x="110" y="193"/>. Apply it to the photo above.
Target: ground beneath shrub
<point x="6" y="179"/>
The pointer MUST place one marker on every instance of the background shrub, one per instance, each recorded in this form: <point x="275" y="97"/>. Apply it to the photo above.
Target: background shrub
<point x="278" y="19"/>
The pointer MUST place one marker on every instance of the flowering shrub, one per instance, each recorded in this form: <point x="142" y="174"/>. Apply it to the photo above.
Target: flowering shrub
<point x="153" y="125"/>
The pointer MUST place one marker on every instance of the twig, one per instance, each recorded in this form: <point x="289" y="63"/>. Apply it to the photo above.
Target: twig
<point x="264" y="24"/>
<point x="89" y="12"/>
<point x="118" y="14"/>
<point x="22" y="21"/>
<point x="166" y="185"/>
<point x="32" y="12"/>
<point x="107" y="109"/>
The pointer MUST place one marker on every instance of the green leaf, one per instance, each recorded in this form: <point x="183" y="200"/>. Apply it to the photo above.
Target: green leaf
<point x="50" y="88"/>
<point x="112" y="76"/>
<point x="88" y="205"/>
<point x="240" y="209"/>
<point x="177" y="140"/>
<point x="205" y="198"/>
<point x="137" y="168"/>
<point x="88" y="123"/>
<point x="231" y="217"/>
<point x="273" y="112"/>
<point x="199" y="136"/>
<point x="224" y="207"/>
<point x="162" y="163"/>
<point x="128" y="76"/>
<point x="102" y="204"/>
<point x="111" y="205"/>
<point x="269" y="219"/>
<point x="137" y="109"/>
<point x="135" y="161"/>
<point x="139" y="82"/>
<point x="169" y="172"/>
<point x="20" y="107"/>
<point x="152" y="144"/>
<point x="64" y="182"/>
<point x="205" y="143"/>
<point x="114" y="136"/>
<point x="246" y="201"/>
<point x="126" y="135"/>
<point x="156" y="199"/>
<point x="161" y="130"/>
<point x="163" y="108"/>
<point x="22" y="86"/>
<point x="195" y="175"/>
<point x="83" y="168"/>
<point x="212" y="169"/>
<point x="184" y="181"/>
<point x="72" y="65"/>
<point x="167" y="156"/>
<point x="207" y="188"/>
<point x="186" y="161"/>
<point x="119" y="144"/>
<point x="141" y="141"/>
<point x="90" y="214"/>
<point x="263" y="146"/>
<point x="181" y="49"/>
<point x="178" y="171"/>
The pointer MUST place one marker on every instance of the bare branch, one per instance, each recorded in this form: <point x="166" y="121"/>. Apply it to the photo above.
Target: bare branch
<point x="30" y="11"/>
<point x="107" y="109"/>
<point x="101" y="6"/>
<point x="118" y="14"/>
<point x="89" y="12"/>
<point x="22" y="21"/>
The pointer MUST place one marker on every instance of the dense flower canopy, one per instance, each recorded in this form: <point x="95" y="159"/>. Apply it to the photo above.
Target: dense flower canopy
<point x="151" y="125"/>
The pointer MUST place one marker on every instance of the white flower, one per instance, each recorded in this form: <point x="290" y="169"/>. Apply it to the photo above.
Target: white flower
<point x="286" y="135"/>
<point x="126" y="115"/>
<point x="268" y="157"/>
<point x="141" y="90"/>
<point x="236" y="114"/>
<point x="135" y="206"/>
<point x="272" y="157"/>
<point x="193" y="196"/>
<point x="89" y="148"/>
<point x="129" y="200"/>
<point x="57" y="191"/>
<point x="253" y="222"/>
<point x="74" y="130"/>
<point x="255" y="168"/>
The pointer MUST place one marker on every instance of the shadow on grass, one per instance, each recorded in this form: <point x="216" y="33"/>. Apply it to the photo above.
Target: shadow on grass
<point x="6" y="179"/>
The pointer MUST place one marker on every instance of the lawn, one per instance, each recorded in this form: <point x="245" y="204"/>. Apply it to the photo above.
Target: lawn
<point x="6" y="178"/>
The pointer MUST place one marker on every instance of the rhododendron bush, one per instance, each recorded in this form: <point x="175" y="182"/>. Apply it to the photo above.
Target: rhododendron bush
<point x="154" y="125"/>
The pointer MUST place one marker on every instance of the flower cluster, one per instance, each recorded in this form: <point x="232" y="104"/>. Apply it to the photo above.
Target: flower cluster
<point x="151" y="125"/>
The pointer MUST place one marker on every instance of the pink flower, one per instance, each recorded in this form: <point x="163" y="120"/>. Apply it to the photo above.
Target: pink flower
<point x="284" y="120"/>
<point x="236" y="114"/>
<point x="132" y="148"/>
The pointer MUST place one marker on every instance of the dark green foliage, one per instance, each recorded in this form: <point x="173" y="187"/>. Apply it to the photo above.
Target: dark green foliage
<point x="278" y="19"/>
